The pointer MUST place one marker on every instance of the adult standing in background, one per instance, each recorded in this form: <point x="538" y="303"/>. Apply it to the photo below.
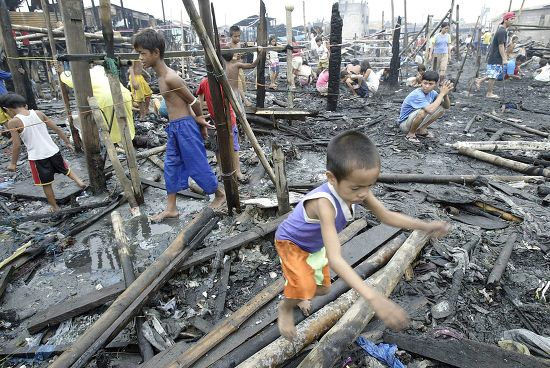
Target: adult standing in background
<point x="497" y="54"/>
<point x="439" y="51"/>
<point x="486" y="39"/>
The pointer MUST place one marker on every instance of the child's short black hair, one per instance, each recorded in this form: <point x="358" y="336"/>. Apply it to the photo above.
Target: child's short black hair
<point x="151" y="40"/>
<point x="318" y="39"/>
<point x="444" y="24"/>
<point x="365" y="65"/>
<point x="234" y="29"/>
<point x="543" y="62"/>
<point x="12" y="101"/>
<point x="521" y="58"/>
<point x="354" y="62"/>
<point x="351" y="151"/>
<point x="227" y="56"/>
<point x="343" y="73"/>
<point x="431" y="76"/>
<point x="421" y="68"/>
<point x="271" y="38"/>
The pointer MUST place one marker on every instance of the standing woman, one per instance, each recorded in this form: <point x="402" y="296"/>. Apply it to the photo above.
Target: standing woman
<point x="439" y="51"/>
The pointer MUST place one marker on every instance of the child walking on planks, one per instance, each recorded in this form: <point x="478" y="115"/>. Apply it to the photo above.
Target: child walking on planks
<point x="185" y="151"/>
<point x="44" y="157"/>
<point x="307" y="241"/>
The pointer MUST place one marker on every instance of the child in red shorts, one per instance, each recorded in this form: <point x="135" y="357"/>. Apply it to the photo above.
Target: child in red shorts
<point x="44" y="157"/>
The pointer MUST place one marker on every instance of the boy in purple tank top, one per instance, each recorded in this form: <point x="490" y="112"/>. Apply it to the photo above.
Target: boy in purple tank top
<point x="307" y="241"/>
<point x="45" y="160"/>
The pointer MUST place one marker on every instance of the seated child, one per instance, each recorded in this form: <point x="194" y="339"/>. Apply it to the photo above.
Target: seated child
<point x="417" y="79"/>
<point x="511" y="71"/>
<point x="370" y="77"/>
<point x="322" y="83"/>
<point x="43" y="154"/>
<point x="543" y="72"/>
<point x="355" y="82"/>
<point x="307" y="241"/>
<point x="305" y="74"/>
<point x="322" y="53"/>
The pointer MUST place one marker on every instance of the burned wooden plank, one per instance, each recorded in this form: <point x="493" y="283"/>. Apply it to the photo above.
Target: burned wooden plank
<point x="5" y="276"/>
<point x="219" y="306"/>
<point x="66" y="309"/>
<point x="501" y="262"/>
<point x="463" y="353"/>
<point x="201" y="324"/>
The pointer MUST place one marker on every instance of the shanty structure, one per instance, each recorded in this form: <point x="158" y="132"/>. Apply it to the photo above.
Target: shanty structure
<point x="534" y="23"/>
<point x="355" y="14"/>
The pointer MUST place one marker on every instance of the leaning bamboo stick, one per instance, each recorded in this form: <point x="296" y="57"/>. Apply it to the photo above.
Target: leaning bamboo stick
<point x="502" y="145"/>
<point x="313" y="327"/>
<point x="518" y="126"/>
<point x="504" y="162"/>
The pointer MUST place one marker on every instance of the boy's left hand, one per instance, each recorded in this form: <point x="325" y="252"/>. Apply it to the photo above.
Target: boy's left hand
<point x="437" y="229"/>
<point x="204" y="125"/>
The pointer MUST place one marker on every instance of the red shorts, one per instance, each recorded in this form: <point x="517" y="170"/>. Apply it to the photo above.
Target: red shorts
<point x="43" y="171"/>
<point x="303" y="271"/>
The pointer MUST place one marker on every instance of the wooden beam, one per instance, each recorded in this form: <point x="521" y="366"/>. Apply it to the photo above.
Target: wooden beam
<point x="76" y="43"/>
<point x="463" y="353"/>
<point x="70" y="308"/>
<point x="517" y="126"/>
<point x="115" y="318"/>
<point x="503" y="145"/>
<point x="503" y="162"/>
<point x="335" y="58"/>
<point x="261" y="40"/>
<point x="501" y="262"/>
<point x="289" y="70"/>
<point x="281" y="185"/>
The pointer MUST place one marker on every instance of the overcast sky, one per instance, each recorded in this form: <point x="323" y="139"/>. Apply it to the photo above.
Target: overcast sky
<point x="231" y="11"/>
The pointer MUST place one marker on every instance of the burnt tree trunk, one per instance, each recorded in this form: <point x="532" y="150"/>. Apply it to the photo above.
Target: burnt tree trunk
<point x="335" y="58"/>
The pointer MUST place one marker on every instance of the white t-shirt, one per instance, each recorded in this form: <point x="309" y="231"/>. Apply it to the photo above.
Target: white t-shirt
<point x="322" y="52"/>
<point x="35" y="135"/>
<point x="544" y="75"/>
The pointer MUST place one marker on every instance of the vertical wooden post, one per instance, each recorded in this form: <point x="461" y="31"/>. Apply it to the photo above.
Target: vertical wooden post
<point x="406" y="36"/>
<point x="281" y="184"/>
<point x="76" y="44"/>
<point x="97" y="22"/>
<point x="395" y="64"/>
<point x="48" y="67"/>
<point x="63" y="88"/>
<point x="457" y="34"/>
<point x="123" y="249"/>
<point x="429" y="28"/>
<point x="223" y="124"/>
<point x="510" y="6"/>
<point x="20" y="80"/>
<point x="335" y="58"/>
<point x="457" y="79"/>
<point x="306" y="34"/>
<point x="382" y="19"/>
<point x="392" y="17"/>
<point x="118" y="99"/>
<point x="261" y="40"/>
<point x="289" y="74"/>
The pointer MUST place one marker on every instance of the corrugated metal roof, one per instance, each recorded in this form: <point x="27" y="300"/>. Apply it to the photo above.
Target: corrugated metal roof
<point x="32" y="19"/>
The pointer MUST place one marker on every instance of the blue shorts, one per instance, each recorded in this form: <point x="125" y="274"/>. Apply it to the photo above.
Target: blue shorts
<point x="363" y="90"/>
<point x="274" y="68"/>
<point x="186" y="157"/>
<point x="213" y="140"/>
<point x="494" y="70"/>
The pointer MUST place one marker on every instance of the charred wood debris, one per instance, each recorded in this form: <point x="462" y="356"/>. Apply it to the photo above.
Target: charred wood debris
<point x="202" y="290"/>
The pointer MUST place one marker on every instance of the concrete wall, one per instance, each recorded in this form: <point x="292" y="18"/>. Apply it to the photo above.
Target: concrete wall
<point x="355" y="15"/>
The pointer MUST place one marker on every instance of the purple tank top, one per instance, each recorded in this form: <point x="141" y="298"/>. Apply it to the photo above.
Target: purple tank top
<point x="305" y="232"/>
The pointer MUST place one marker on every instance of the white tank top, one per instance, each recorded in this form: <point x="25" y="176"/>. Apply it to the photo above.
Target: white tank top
<point x="36" y="137"/>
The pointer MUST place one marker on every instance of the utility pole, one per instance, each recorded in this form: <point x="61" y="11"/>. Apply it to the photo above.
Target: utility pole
<point x="223" y="124"/>
<point x="289" y="73"/>
<point x="21" y="80"/>
<point x="76" y="44"/>
<point x="406" y="30"/>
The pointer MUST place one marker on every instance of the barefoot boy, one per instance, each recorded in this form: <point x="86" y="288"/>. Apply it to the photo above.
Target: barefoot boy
<point x="185" y="152"/>
<point x="307" y="241"/>
<point x="44" y="157"/>
<point x="423" y="106"/>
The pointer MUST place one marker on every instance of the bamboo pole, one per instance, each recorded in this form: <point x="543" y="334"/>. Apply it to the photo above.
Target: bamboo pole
<point x="503" y="145"/>
<point x="500" y="264"/>
<point x="358" y="315"/>
<point x="289" y="72"/>
<point x="63" y="88"/>
<point x="504" y="162"/>
<point x="123" y="249"/>
<point x="113" y="156"/>
<point x="59" y="32"/>
<point x="115" y="318"/>
<point x="118" y="100"/>
<point x="281" y="185"/>
<point x="227" y="90"/>
<point x="518" y="126"/>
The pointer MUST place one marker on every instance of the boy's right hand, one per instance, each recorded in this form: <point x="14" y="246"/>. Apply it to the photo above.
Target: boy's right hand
<point x="390" y="313"/>
<point x="12" y="167"/>
<point x="446" y="87"/>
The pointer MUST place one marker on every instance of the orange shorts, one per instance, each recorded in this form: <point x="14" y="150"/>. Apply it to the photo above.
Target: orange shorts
<point x="303" y="271"/>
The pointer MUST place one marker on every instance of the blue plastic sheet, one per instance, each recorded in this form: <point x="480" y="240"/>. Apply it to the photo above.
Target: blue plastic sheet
<point x="385" y="353"/>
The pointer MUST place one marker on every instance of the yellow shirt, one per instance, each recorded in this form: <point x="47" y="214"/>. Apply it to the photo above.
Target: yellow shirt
<point x="3" y="117"/>
<point x="102" y="93"/>
<point x="486" y="38"/>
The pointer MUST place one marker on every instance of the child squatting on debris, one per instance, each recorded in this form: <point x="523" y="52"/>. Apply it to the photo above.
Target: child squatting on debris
<point x="44" y="157"/>
<point x="185" y="151"/>
<point x="307" y="241"/>
<point x="423" y="106"/>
